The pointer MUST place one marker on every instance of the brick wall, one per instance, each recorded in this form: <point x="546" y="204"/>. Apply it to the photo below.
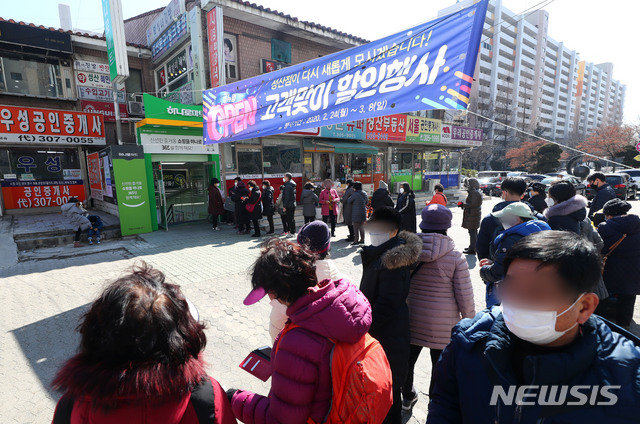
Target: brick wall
<point x="254" y="44"/>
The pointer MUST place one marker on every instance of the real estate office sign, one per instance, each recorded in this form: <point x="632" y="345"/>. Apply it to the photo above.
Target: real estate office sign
<point x="116" y="45"/>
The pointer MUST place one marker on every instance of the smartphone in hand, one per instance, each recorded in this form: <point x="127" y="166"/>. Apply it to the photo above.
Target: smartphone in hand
<point x="258" y="363"/>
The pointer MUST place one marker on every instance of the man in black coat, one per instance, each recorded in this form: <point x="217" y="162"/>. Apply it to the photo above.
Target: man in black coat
<point x="289" y="201"/>
<point x="387" y="264"/>
<point x="538" y="197"/>
<point x="604" y="192"/>
<point x="381" y="197"/>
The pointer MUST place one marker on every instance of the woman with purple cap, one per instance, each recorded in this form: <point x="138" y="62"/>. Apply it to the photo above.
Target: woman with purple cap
<point x="440" y="294"/>
<point x="301" y="383"/>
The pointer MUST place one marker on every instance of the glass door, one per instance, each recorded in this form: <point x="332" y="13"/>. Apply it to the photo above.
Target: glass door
<point x="160" y="194"/>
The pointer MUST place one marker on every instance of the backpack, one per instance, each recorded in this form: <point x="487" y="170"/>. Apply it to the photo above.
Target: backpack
<point x="361" y="381"/>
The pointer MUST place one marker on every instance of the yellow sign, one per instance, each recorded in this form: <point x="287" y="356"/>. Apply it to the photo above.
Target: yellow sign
<point x="369" y="159"/>
<point x="308" y="160"/>
<point x="423" y="130"/>
<point x="637" y="158"/>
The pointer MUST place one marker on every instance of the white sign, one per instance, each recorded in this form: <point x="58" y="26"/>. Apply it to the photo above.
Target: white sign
<point x="71" y="174"/>
<point x="10" y="176"/>
<point x="102" y="94"/>
<point x="445" y="133"/>
<point x="93" y="79"/>
<point x="167" y="143"/>
<point x="90" y="66"/>
<point x="164" y="19"/>
<point x="196" y="54"/>
<point x="59" y="140"/>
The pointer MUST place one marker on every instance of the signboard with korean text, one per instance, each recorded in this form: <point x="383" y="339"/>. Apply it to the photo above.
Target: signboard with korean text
<point x="215" y="40"/>
<point x="102" y="94"/>
<point x="95" y="175"/>
<point x="131" y="189"/>
<point x="387" y="128"/>
<point x="95" y="79"/>
<point x="25" y="35"/>
<point x="164" y="19"/>
<point x="155" y="108"/>
<point x="348" y="130"/>
<point x="26" y="125"/>
<point x="103" y="108"/>
<point x="40" y="194"/>
<point x="423" y="130"/>
<point x="91" y="66"/>
<point x="429" y="66"/>
<point x="466" y="136"/>
<point x="272" y="65"/>
<point x="196" y="54"/>
<point x="114" y="35"/>
<point x="172" y="36"/>
<point x="161" y="140"/>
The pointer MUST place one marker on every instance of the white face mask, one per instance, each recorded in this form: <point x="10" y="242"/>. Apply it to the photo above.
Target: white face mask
<point x="401" y="190"/>
<point x="284" y="180"/>
<point x="537" y="327"/>
<point x="379" y="238"/>
<point x="549" y="201"/>
<point x="235" y="184"/>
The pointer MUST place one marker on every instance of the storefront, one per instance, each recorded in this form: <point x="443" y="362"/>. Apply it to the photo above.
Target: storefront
<point x="42" y="156"/>
<point x="179" y="167"/>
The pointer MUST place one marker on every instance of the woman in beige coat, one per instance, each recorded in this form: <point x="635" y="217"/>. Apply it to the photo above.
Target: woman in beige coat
<point x="440" y="293"/>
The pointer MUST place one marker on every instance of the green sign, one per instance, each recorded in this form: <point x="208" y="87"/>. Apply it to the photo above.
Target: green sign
<point x="155" y="108"/>
<point x="423" y="130"/>
<point x="131" y="189"/>
<point x="114" y="35"/>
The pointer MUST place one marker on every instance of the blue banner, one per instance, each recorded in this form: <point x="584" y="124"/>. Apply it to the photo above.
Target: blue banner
<point x="429" y="66"/>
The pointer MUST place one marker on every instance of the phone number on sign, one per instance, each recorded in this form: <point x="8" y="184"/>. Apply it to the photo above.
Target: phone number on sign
<point x="40" y="202"/>
<point x="55" y="139"/>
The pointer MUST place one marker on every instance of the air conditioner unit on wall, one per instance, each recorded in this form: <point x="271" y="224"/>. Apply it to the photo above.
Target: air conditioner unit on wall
<point x="135" y="108"/>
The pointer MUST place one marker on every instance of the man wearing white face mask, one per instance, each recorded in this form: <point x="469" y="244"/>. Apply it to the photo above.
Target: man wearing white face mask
<point x="518" y="221"/>
<point x="544" y="338"/>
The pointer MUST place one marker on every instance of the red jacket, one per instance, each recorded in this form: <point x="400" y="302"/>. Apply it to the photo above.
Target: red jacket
<point x="438" y="198"/>
<point x="81" y="379"/>
<point x="216" y="204"/>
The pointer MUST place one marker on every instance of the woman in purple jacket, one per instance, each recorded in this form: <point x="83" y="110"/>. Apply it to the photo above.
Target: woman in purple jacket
<point x="301" y="368"/>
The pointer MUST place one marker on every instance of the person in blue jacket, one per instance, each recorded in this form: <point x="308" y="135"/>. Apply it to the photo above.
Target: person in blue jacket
<point x="542" y="357"/>
<point x="518" y="221"/>
<point x="513" y="189"/>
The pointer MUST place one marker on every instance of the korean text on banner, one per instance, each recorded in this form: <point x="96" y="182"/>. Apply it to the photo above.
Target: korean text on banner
<point x="116" y="45"/>
<point x="131" y="189"/>
<point x="28" y="125"/>
<point x="429" y="66"/>
<point x="215" y="37"/>
<point x="95" y="175"/>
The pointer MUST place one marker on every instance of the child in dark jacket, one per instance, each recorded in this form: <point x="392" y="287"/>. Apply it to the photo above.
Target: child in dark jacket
<point x="95" y="230"/>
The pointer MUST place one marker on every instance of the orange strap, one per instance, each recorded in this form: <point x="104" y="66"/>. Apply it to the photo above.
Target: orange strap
<point x="611" y="249"/>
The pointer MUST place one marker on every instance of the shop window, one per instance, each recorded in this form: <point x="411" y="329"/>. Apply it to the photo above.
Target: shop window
<point x="360" y="164"/>
<point x="282" y="156"/>
<point x="231" y="57"/>
<point x="34" y="77"/>
<point x="229" y="153"/>
<point x="432" y="162"/>
<point x="173" y="78"/>
<point x="133" y="84"/>
<point x="402" y="162"/>
<point x="32" y="164"/>
<point x="249" y="162"/>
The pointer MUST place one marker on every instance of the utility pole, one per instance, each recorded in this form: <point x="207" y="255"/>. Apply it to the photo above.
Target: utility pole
<point x="116" y="110"/>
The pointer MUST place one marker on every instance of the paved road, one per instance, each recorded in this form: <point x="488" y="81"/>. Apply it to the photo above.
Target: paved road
<point x="41" y="301"/>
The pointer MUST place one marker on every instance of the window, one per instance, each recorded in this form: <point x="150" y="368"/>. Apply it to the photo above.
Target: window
<point x="174" y="78"/>
<point x="360" y="164"/>
<point x="281" y="156"/>
<point x="35" y="77"/>
<point x="30" y="164"/>
<point x="229" y="152"/>
<point x="133" y="84"/>
<point x="231" y="57"/>
<point x="250" y="162"/>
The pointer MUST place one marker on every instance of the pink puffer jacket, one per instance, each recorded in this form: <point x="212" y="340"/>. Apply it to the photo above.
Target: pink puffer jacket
<point x="301" y="385"/>
<point x="440" y="293"/>
<point x="325" y="197"/>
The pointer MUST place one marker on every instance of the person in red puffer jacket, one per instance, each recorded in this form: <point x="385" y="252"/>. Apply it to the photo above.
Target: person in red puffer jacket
<point x="140" y="360"/>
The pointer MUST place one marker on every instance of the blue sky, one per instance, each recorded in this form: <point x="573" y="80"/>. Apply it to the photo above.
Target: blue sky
<point x="599" y="31"/>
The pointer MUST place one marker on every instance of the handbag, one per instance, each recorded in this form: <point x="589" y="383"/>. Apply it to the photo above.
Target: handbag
<point x="229" y="205"/>
<point x="251" y="206"/>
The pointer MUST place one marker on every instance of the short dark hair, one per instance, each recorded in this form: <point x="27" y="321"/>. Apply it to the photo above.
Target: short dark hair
<point x="598" y="176"/>
<point x="514" y="185"/>
<point x="139" y="322"/>
<point x="238" y="179"/>
<point x="439" y="187"/>
<point x="576" y="259"/>
<point x="288" y="175"/>
<point x="562" y="191"/>
<point x="266" y="183"/>
<point x="252" y="183"/>
<point x="228" y="43"/>
<point x="285" y="269"/>
<point x="357" y="185"/>
<point x="387" y="215"/>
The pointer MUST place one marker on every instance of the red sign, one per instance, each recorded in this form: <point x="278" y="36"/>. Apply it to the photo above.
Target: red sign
<point x="40" y="194"/>
<point x="27" y="125"/>
<point x="387" y="128"/>
<point x="95" y="175"/>
<point x="214" y="43"/>
<point x="163" y="77"/>
<point x="103" y="108"/>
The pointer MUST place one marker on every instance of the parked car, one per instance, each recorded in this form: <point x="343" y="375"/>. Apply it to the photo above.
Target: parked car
<point x="634" y="174"/>
<point x="532" y="178"/>
<point x="490" y="186"/>
<point x="581" y="187"/>
<point x="622" y="183"/>
<point x="492" y="174"/>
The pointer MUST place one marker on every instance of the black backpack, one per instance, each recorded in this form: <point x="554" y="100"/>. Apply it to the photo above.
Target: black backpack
<point x="202" y="399"/>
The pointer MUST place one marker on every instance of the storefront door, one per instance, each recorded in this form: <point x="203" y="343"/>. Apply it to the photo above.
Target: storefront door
<point x="161" y="201"/>
<point x="181" y="191"/>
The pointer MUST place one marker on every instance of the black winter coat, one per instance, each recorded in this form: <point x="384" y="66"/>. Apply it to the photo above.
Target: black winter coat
<point x="381" y="198"/>
<point x="407" y="207"/>
<point x="268" y="207"/>
<point x="254" y="199"/>
<point x="567" y="215"/>
<point x="385" y="282"/>
<point x="622" y="269"/>
<point x="538" y="202"/>
<point x="603" y="195"/>
<point x="289" y="194"/>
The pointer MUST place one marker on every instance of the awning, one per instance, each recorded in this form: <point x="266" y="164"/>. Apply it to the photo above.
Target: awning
<point x="339" y="147"/>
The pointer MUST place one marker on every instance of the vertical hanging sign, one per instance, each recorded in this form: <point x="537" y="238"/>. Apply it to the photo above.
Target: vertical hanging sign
<point x="116" y="46"/>
<point x="215" y="38"/>
<point x="195" y="21"/>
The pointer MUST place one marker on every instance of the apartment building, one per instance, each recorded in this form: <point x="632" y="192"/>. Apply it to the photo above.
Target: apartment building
<point x="528" y="80"/>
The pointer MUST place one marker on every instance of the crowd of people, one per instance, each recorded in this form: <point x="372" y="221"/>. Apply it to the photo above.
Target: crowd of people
<point x="560" y="295"/>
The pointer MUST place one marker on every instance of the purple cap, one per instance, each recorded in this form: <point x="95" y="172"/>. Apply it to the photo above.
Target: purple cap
<point x="255" y="296"/>
<point x="316" y="236"/>
<point x="436" y="217"/>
